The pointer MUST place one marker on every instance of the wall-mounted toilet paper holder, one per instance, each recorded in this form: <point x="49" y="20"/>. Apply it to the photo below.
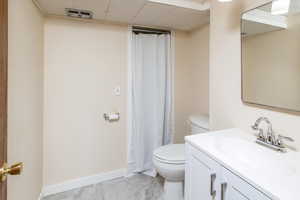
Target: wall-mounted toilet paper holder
<point x="111" y="117"/>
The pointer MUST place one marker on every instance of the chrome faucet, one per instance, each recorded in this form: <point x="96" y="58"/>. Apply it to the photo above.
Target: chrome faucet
<point x="270" y="136"/>
<point x="269" y="139"/>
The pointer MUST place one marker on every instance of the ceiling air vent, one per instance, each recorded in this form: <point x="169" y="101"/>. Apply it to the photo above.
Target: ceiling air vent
<point x="84" y="14"/>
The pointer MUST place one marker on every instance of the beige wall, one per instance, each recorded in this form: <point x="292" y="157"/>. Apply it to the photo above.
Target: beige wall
<point x="199" y="48"/>
<point x="83" y="64"/>
<point x="226" y="107"/>
<point x="182" y="85"/>
<point x="25" y="86"/>
<point x="270" y="63"/>
<point x="191" y="78"/>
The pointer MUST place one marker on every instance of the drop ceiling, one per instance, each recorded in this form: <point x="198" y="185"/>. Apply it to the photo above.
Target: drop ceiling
<point x="174" y="14"/>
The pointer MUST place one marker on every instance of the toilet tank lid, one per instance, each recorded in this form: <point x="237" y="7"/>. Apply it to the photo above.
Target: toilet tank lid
<point x="200" y="121"/>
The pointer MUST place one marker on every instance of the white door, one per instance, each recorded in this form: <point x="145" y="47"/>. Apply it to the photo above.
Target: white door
<point x="235" y="188"/>
<point x="201" y="177"/>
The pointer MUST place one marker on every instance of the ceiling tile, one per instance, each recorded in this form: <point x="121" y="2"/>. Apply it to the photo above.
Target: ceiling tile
<point x="124" y="10"/>
<point x="98" y="7"/>
<point x="151" y="14"/>
<point x="172" y="17"/>
<point x="55" y="7"/>
<point x="185" y="19"/>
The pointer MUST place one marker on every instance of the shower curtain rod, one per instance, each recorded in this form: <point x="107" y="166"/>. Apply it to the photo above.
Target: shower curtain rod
<point x="145" y="30"/>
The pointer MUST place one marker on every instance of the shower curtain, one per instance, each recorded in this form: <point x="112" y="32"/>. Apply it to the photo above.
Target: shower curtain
<point x="150" y="100"/>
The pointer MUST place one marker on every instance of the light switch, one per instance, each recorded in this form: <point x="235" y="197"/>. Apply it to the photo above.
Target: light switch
<point x="117" y="90"/>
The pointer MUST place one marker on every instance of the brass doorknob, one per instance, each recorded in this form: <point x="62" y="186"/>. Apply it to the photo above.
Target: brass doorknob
<point x="15" y="169"/>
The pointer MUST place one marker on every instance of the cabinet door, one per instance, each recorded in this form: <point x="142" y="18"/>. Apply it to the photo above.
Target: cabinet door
<point x="201" y="176"/>
<point x="235" y="188"/>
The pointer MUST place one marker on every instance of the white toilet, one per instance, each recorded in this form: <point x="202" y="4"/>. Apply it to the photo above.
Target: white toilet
<point x="169" y="160"/>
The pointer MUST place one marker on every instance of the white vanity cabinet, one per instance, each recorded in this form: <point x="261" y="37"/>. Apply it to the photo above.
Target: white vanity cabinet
<point x="206" y="179"/>
<point x="235" y="188"/>
<point x="201" y="176"/>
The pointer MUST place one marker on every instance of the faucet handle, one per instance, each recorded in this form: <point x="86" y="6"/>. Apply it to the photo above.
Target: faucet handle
<point x="260" y="134"/>
<point x="281" y="137"/>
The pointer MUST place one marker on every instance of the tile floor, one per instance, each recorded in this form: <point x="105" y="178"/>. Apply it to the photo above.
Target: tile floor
<point x="139" y="187"/>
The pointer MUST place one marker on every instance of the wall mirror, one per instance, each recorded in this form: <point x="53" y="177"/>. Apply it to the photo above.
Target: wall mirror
<point x="271" y="55"/>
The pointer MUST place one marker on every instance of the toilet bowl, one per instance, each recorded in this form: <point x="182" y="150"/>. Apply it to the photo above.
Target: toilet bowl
<point x="169" y="163"/>
<point x="169" y="160"/>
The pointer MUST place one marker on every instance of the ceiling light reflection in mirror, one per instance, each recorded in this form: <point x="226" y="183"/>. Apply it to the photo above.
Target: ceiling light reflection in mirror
<point x="280" y="7"/>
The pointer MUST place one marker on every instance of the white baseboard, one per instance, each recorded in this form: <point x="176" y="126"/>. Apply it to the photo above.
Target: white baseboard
<point x="81" y="182"/>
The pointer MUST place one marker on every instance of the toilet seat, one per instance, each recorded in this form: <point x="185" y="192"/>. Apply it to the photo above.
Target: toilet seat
<point x="170" y="154"/>
<point x="169" y="162"/>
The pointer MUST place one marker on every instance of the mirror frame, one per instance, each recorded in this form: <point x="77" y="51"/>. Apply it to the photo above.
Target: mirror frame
<point x="248" y="103"/>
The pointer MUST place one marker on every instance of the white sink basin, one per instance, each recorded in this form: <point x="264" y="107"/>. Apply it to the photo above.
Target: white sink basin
<point x="244" y="151"/>
<point x="252" y="155"/>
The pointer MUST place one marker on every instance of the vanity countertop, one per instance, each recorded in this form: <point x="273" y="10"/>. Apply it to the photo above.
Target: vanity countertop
<point x="274" y="173"/>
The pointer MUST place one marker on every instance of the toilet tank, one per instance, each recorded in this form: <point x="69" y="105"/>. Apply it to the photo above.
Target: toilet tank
<point x="198" y="124"/>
